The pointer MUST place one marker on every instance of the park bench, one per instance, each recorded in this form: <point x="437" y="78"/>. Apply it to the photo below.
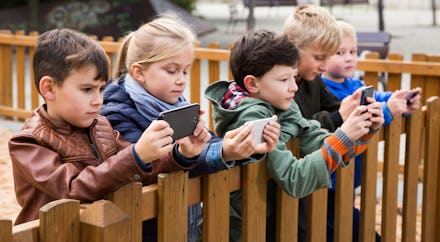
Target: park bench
<point x="271" y="3"/>
<point x="374" y="41"/>
<point x="343" y="2"/>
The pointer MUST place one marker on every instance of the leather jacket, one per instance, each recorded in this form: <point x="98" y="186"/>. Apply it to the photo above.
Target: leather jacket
<point x="53" y="161"/>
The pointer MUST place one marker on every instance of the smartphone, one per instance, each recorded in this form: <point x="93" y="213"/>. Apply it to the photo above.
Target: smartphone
<point x="257" y="128"/>
<point x="410" y="95"/>
<point x="367" y="92"/>
<point x="183" y="120"/>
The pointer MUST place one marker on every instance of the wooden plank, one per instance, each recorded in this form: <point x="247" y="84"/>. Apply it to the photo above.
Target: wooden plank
<point x="254" y="193"/>
<point x="149" y="202"/>
<point x="172" y="216"/>
<point x="317" y="216"/>
<point x="103" y="221"/>
<point x="390" y="180"/>
<point x="6" y="230"/>
<point x="216" y="207"/>
<point x="212" y="54"/>
<point x="412" y="157"/>
<point x="26" y="232"/>
<point x="7" y="76"/>
<point x="287" y="206"/>
<point x="431" y="170"/>
<point x="390" y="66"/>
<point x="59" y="221"/>
<point x="14" y="112"/>
<point x="372" y="77"/>
<point x="129" y="199"/>
<point x="344" y="203"/>
<point x="20" y="56"/>
<point x="368" y="192"/>
<point x="394" y="81"/>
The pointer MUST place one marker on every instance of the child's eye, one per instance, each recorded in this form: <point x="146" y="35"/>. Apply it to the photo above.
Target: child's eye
<point x="87" y="89"/>
<point x="320" y="57"/>
<point x="353" y="52"/>
<point x="340" y="52"/>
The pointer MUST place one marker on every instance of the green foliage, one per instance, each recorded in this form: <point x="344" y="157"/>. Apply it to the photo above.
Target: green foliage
<point x="188" y="5"/>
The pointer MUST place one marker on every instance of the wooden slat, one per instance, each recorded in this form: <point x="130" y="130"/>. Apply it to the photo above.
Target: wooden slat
<point x="6" y="230"/>
<point x="371" y="77"/>
<point x="7" y="76"/>
<point x="412" y="157"/>
<point x="413" y="67"/>
<point x="172" y="217"/>
<point x="27" y="232"/>
<point x="149" y="201"/>
<point x="59" y="221"/>
<point x="287" y="206"/>
<point x="129" y="199"/>
<point x="344" y="203"/>
<point x="390" y="180"/>
<point x="317" y="216"/>
<point x="216" y="207"/>
<point x="394" y="79"/>
<point x="368" y="192"/>
<point x="431" y="170"/>
<point x="34" y="89"/>
<point x="254" y="188"/>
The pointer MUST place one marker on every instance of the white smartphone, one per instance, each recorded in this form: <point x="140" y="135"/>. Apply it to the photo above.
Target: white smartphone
<point x="257" y="128"/>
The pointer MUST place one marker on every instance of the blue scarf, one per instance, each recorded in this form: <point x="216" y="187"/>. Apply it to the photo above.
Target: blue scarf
<point x="148" y="105"/>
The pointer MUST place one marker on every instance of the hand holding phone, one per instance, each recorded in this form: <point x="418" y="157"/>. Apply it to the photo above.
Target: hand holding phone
<point x="183" y="120"/>
<point x="410" y="95"/>
<point x="367" y="92"/>
<point x="258" y="127"/>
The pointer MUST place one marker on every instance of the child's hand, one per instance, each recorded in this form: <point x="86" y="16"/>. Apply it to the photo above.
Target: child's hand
<point x="414" y="103"/>
<point x="358" y="123"/>
<point x="350" y="103"/>
<point x="377" y="119"/>
<point x="155" y="141"/>
<point x="237" y="144"/>
<point x="271" y="135"/>
<point x="397" y="103"/>
<point x="191" y="146"/>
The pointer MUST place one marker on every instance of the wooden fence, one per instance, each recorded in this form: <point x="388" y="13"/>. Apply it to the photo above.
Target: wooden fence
<point x="118" y="218"/>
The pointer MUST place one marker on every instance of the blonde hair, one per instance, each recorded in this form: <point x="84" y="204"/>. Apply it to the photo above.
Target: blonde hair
<point x="312" y="25"/>
<point x="348" y="30"/>
<point x="156" y="40"/>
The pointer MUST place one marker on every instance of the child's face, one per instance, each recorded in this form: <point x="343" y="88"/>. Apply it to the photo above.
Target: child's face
<point x="277" y="86"/>
<point x="343" y="63"/>
<point x="166" y="79"/>
<point x="313" y="63"/>
<point x="79" y="99"/>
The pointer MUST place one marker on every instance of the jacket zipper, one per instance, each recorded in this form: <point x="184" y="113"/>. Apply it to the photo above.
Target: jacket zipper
<point x="93" y="146"/>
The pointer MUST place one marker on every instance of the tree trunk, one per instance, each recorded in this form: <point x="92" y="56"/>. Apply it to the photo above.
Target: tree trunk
<point x="33" y="10"/>
<point x="380" y="12"/>
<point x="251" y="17"/>
<point x="434" y="16"/>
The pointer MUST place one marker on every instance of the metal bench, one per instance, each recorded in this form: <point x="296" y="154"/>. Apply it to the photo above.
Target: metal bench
<point x="374" y="41"/>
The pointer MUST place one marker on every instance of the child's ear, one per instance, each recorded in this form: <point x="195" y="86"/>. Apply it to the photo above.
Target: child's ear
<point x="250" y="82"/>
<point x="136" y="71"/>
<point x="46" y="88"/>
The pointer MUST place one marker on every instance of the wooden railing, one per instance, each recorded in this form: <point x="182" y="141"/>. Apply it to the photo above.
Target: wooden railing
<point x="119" y="217"/>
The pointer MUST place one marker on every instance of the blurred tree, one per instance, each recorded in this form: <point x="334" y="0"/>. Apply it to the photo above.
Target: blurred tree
<point x="188" y="5"/>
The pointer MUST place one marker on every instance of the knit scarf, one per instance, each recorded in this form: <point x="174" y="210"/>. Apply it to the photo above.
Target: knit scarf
<point x="148" y="105"/>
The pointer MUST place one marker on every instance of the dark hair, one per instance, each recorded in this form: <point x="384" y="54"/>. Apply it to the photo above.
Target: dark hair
<point x="60" y="51"/>
<point x="257" y="52"/>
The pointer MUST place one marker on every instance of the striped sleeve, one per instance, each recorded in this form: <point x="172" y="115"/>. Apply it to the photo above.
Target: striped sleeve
<point x="335" y="147"/>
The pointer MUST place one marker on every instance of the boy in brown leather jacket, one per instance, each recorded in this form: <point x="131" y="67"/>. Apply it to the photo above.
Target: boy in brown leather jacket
<point x="67" y="150"/>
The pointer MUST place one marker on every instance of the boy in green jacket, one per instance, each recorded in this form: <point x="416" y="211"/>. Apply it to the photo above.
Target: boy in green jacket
<point x="264" y="67"/>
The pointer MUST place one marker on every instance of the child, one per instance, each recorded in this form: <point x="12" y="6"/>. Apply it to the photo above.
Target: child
<point x="339" y="80"/>
<point x="67" y="150"/>
<point x="157" y="59"/>
<point x="264" y="70"/>
<point x="317" y="35"/>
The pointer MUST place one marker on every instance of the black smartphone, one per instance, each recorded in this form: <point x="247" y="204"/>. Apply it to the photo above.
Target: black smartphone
<point x="367" y="92"/>
<point x="410" y="95"/>
<point x="183" y="120"/>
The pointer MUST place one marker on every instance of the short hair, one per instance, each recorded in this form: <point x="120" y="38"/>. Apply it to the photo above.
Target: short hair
<point x="348" y="30"/>
<point x="156" y="40"/>
<point x="257" y="52"/>
<point x="60" y="51"/>
<point x="312" y="25"/>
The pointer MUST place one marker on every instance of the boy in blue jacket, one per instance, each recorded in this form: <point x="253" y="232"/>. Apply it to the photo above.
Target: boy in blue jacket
<point x="339" y="80"/>
<point x="264" y="67"/>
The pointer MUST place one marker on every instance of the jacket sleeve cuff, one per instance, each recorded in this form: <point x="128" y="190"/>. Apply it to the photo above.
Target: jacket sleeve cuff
<point x="181" y="159"/>
<point x="145" y="167"/>
<point x="214" y="157"/>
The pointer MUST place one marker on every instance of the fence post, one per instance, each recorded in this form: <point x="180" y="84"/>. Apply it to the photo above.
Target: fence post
<point x="6" y="230"/>
<point x="430" y="170"/>
<point x="172" y="213"/>
<point x="129" y="199"/>
<point x="103" y="221"/>
<point x="59" y="221"/>
<point x="216" y="206"/>
<point x="254" y="192"/>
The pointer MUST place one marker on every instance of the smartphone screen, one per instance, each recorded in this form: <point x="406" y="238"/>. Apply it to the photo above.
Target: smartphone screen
<point x="183" y="120"/>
